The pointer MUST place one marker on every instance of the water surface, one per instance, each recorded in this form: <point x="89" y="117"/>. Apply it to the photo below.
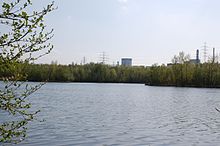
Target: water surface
<point x="124" y="114"/>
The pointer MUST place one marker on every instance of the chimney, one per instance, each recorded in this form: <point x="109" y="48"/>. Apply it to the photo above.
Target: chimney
<point x="197" y="54"/>
<point x="213" y="55"/>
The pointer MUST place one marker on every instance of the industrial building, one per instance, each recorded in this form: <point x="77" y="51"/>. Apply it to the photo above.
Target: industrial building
<point x="126" y="61"/>
<point x="197" y="60"/>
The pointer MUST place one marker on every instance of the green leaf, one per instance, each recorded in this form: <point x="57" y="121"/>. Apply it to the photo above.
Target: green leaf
<point x="6" y="6"/>
<point x="41" y="24"/>
<point x="24" y="14"/>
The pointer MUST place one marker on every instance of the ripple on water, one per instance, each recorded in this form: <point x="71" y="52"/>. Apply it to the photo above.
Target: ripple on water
<point x="124" y="114"/>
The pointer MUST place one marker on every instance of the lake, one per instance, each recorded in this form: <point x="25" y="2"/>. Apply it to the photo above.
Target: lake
<point x="88" y="114"/>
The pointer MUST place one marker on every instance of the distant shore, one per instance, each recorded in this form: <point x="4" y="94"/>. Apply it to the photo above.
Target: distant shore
<point x="183" y="86"/>
<point x="206" y="75"/>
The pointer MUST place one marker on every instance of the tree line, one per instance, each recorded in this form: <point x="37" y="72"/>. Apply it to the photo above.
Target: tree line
<point x="186" y="75"/>
<point x="180" y="73"/>
<point x="82" y="73"/>
<point x="183" y="73"/>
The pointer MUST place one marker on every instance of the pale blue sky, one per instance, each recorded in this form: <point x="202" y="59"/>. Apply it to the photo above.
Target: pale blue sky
<point x="149" y="31"/>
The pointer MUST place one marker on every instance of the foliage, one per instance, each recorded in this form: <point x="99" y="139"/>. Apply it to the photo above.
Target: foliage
<point x="180" y="73"/>
<point x="183" y="73"/>
<point x="23" y="39"/>
<point x="86" y="73"/>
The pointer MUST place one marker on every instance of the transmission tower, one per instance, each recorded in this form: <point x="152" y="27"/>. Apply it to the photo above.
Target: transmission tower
<point x="205" y="47"/>
<point x="103" y="58"/>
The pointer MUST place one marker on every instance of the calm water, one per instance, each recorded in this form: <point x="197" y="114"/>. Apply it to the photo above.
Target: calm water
<point x="124" y="114"/>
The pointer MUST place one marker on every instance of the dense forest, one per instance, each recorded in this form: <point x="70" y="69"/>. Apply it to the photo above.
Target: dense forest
<point x="81" y="73"/>
<point x="186" y="75"/>
<point x="180" y="73"/>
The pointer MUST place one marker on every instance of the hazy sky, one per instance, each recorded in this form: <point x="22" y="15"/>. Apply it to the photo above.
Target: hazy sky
<point x="148" y="31"/>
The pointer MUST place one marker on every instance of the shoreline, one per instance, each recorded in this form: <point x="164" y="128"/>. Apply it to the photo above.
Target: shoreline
<point x="184" y="86"/>
<point x="146" y="84"/>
